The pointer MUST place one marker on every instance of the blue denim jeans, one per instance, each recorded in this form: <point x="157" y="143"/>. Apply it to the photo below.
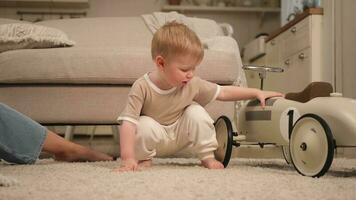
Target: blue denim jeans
<point x="21" y="138"/>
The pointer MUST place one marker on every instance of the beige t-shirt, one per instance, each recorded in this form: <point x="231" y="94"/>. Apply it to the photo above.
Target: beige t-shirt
<point x="166" y="106"/>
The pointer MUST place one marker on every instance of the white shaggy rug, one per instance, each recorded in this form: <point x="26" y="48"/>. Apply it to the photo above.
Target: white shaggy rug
<point x="175" y="179"/>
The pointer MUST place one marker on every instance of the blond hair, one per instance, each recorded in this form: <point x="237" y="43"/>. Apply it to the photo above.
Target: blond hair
<point x="174" y="39"/>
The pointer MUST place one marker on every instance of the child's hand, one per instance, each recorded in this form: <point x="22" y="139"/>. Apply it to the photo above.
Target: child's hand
<point x="263" y="95"/>
<point x="128" y="165"/>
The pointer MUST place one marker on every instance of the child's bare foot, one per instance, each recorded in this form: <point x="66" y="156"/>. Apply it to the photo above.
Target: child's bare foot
<point x="211" y="163"/>
<point x="143" y="164"/>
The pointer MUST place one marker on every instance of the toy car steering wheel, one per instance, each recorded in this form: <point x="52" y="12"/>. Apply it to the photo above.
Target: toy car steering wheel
<point x="262" y="71"/>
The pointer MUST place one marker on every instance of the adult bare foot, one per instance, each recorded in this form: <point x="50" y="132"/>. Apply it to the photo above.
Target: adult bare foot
<point x="211" y="163"/>
<point x="80" y="154"/>
<point x="64" y="150"/>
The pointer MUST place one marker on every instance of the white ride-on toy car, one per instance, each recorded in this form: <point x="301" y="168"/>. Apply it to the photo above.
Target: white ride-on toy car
<point x="308" y="126"/>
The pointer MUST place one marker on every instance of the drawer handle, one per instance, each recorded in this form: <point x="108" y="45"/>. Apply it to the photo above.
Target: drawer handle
<point x="301" y="56"/>
<point x="294" y="29"/>
<point x="287" y="62"/>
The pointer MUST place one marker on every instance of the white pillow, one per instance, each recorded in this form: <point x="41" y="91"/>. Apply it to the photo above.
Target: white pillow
<point x="28" y="36"/>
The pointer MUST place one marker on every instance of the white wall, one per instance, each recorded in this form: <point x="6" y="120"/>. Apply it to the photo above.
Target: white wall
<point x="246" y="25"/>
<point x="339" y="43"/>
<point x="345" y="47"/>
<point x="121" y="8"/>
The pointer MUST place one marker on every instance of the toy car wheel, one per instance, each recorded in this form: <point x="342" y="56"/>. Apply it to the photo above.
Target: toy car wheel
<point x="311" y="146"/>
<point x="286" y="154"/>
<point x="224" y="137"/>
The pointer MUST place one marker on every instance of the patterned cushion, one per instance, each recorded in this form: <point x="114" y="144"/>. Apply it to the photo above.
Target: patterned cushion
<point x="28" y="36"/>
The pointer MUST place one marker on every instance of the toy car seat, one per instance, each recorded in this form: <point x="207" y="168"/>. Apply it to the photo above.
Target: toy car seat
<point x="314" y="89"/>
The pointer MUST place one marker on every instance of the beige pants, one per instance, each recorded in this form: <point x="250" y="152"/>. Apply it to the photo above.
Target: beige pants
<point x="193" y="132"/>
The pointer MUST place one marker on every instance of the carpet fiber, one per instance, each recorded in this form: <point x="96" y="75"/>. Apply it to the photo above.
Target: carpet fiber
<point x="175" y="179"/>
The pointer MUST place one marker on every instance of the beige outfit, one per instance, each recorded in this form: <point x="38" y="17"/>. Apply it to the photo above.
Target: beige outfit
<point x="171" y="120"/>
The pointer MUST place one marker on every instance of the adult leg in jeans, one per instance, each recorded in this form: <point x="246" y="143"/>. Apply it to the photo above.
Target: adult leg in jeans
<point x="22" y="140"/>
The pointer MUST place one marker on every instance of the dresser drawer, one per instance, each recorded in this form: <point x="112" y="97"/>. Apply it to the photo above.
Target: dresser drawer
<point x="296" y="39"/>
<point x="296" y="75"/>
<point x="273" y="55"/>
<point x="297" y="70"/>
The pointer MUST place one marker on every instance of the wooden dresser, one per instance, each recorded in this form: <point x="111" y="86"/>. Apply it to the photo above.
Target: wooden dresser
<point x="296" y="47"/>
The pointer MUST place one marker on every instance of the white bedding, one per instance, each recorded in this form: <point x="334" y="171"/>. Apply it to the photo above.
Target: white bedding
<point x="98" y="65"/>
<point x="107" y="51"/>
